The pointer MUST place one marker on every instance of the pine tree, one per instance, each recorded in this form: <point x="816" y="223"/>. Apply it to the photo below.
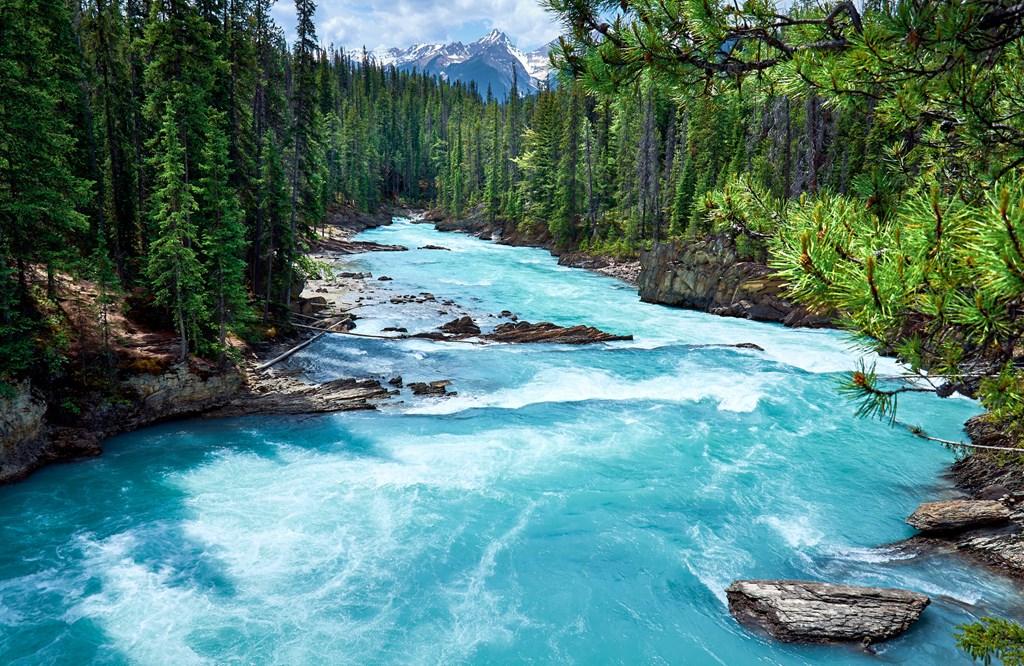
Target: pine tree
<point x="173" y="269"/>
<point x="568" y="178"/>
<point x="304" y="130"/>
<point x="223" y="236"/>
<point x="494" y="165"/>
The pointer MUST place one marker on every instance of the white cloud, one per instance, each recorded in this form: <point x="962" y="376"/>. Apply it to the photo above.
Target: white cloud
<point x="354" y="24"/>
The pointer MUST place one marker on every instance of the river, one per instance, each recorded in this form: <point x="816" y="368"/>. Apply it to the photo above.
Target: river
<point x="576" y="505"/>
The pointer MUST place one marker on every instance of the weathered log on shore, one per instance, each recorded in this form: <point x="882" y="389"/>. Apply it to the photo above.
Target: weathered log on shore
<point x="958" y="515"/>
<point x="795" y="611"/>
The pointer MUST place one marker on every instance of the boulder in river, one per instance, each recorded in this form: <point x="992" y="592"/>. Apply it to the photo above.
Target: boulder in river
<point x="958" y="515"/>
<point x="524" y="331"/>
<point x="433" y="388"/>
<point x="463" y="327"/>
<point x="796" y="611"/>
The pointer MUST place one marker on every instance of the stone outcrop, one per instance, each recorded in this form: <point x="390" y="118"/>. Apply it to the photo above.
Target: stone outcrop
<point x="29" y="439"/>
<point x="355" y="247"/>
<point x="432" y="388"/>
<point x="710" y="275"/>
<point x="179" y="392"/>
<point x="524" y="331"/>
<point x="958" y="515"/>
<point x="627" y="271"/>
<point x="462" y="327"/>
<point x="521" y="332"/>
<point x="22" y="430"/>
<point x="809" y="612"/>
<point x="286" y="394"/>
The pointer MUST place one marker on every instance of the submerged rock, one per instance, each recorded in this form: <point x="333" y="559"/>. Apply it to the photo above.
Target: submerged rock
<point x="436" y="247"/>
<point x="958" y="515"/>
<point x="795" y="611"/>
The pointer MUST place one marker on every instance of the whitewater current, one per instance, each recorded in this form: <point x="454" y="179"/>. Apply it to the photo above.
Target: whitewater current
<point x="572" y="505"/>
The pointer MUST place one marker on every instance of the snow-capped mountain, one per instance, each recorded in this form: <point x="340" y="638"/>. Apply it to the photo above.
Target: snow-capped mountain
<point x="490" y="61"/>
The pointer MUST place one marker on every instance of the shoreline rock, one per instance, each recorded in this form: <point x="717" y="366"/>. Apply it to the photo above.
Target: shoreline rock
<point x="958" y="515"/>
<point x="143" y="399"/>
<point x="627" y="271"/>
<point x="709" y="274"/>
<point x="795" y="611"/>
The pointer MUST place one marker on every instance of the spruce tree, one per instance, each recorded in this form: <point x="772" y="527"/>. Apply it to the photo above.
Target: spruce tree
<point x="174" y="270"/>
<point x="223" y="236"/>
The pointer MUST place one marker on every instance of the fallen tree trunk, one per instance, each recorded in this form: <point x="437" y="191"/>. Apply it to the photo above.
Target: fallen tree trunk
<point x="297" y="348"/>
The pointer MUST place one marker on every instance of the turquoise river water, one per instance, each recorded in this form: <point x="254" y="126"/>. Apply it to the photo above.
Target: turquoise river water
<point x="571" y="505"/>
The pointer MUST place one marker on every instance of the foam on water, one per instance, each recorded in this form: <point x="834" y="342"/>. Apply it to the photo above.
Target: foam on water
<point x="570" y="505"/>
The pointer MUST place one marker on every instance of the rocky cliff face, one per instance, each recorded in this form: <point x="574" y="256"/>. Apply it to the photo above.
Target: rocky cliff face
<point x="709" y="275"/>
<point x="29" y="439"/>
<point x="22" y="428"/>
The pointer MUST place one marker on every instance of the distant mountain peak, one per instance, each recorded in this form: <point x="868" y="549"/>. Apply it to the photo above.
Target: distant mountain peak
<point x="495" y="37"/>
<point x="491" y="61"/>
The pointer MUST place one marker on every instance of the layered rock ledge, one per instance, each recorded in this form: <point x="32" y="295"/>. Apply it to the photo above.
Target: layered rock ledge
<point x="710" y="275"/>
<point x="522" y="332"/>
<point x="958" y="515"/>
<point x="795" y="611"/>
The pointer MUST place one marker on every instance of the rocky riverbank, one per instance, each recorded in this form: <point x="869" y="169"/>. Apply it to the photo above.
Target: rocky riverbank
<point x="141" y="383"/>
<point x="986" y="522"/>
<point x="707" y="274"/>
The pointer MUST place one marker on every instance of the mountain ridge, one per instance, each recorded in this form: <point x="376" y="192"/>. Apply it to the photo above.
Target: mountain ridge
<point x="493" y="60"/>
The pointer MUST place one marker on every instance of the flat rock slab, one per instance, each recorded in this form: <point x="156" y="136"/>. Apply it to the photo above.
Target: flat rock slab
<point x="796" y="611"/>
<point x="524" y="331"/>
<point x="356" y="247"/>
<point x="958" y="515"/>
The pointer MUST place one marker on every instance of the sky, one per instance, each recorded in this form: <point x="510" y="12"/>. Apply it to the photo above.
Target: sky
<point x="402" y="23"/>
